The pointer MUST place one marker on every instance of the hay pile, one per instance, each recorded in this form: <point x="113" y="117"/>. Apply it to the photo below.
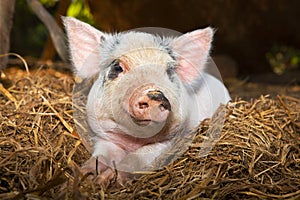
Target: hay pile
<point x="257" y="156"/>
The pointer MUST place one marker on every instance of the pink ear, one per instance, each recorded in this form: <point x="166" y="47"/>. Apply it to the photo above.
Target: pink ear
<point x="84" y="44"/>
<point x="192" y="50"/>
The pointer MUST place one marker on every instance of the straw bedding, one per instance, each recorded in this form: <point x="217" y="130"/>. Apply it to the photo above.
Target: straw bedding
<point x="256" y="157"/>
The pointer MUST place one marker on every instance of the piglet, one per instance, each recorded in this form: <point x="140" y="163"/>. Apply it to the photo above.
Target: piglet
<point x="148" y="90"/>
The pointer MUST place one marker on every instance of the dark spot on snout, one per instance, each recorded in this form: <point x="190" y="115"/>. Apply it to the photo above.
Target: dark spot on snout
<point x="157" y="95"/>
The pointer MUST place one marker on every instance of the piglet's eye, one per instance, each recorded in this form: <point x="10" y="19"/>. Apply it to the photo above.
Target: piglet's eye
<point x="115" y="69"/>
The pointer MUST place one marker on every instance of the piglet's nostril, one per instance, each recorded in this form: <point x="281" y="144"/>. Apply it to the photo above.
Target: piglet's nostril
<point x="143" y="105"/>
<point x="162" y="107"/>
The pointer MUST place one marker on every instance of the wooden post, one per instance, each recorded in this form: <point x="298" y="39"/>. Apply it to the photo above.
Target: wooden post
<point x="6" y="16"/>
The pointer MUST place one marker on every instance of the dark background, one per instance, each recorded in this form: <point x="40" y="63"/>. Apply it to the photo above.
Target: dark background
<point x="246" y="31"/>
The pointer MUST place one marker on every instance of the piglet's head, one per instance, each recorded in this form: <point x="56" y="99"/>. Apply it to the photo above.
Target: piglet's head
<point x="191" y="49"/>
<point x="144" y="80"/>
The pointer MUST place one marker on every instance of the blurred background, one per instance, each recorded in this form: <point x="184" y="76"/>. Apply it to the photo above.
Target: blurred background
<point x="255" y="40"/>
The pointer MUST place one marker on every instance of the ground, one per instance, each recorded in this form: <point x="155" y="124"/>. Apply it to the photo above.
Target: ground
<point x="256" y="156"/>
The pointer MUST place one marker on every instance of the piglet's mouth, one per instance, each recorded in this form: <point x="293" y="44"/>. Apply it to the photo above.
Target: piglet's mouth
<point x="143" y="122"/>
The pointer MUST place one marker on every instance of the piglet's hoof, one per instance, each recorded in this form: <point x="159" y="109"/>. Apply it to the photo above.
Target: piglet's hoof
<point x="112" y="178"/>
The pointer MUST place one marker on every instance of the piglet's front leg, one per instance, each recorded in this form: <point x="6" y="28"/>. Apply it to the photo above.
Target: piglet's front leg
<point x="140" y="160"/>
<point x="122" y="165"/>
<point x="105" y="154"/>
<point x="102" y="174"/>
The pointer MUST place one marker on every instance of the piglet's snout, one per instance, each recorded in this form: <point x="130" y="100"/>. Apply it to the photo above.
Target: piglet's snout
<point x="149" y="106"/>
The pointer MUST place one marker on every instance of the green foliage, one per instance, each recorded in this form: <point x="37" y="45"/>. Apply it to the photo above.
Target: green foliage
<point x="78" y="9"/>
<point x="283" y="58"/>
<point x="81" y="11"/>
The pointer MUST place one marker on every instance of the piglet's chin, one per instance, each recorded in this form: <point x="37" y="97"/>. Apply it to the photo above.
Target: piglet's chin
<point x="137" y="128"/>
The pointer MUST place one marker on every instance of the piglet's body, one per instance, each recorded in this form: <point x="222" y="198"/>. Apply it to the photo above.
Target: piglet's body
<point x="149" y="90"/>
